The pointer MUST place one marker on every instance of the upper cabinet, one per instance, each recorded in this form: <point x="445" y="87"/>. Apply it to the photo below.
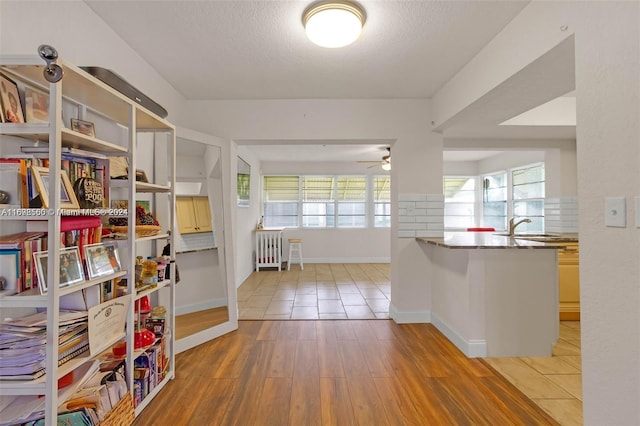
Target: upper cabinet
<point x="194" y="215"/>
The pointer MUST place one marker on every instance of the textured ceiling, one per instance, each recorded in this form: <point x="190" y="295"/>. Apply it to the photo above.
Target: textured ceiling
<point x="257" y="49"/>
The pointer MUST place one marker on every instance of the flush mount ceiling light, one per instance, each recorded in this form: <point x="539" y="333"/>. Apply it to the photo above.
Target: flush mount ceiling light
<point x="333" y="23"/>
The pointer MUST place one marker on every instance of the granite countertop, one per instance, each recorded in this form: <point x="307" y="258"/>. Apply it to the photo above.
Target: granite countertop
<point x="489" y="240"/>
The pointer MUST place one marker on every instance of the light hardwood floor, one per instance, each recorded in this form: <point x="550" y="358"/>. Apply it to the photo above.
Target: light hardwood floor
<point x="192" y="323"/>
<point x="336" y="373"/>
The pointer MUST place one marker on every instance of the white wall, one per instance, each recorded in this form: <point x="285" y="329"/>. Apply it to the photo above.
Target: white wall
<point x="246" y="217"/>
<point x="607" y="61"/>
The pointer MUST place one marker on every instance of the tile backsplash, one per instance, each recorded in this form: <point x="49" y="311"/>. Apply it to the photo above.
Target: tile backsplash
<point x="420" y="215"/>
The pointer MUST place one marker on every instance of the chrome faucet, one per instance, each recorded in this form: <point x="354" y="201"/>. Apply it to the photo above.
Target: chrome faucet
<point x="512" y="226"/>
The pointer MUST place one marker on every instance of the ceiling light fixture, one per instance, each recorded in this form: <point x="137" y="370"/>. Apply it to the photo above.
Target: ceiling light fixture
<point x="333" y="23"/>
<point x="386" y="160"/>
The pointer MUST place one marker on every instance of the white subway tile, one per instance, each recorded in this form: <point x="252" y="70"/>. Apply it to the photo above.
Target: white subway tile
<point x="406" y="234"/>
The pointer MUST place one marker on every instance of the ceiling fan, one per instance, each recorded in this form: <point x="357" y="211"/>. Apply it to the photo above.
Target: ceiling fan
<point x="385" y="163"/>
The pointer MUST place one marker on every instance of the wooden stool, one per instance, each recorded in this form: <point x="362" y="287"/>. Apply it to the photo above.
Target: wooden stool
<point x="295" y="247"/>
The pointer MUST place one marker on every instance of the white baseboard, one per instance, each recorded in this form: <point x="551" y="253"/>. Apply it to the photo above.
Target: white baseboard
<point x="408" y="317"/>
<point x="200" y="306"/>
<point x="473" y="348"/>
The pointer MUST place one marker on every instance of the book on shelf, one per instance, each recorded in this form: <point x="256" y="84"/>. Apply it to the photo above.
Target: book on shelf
<point x="76" y="166"/>
<point x="21" y="245"/>
<point x="65" y="150"/>
<point x="76" y="231"/>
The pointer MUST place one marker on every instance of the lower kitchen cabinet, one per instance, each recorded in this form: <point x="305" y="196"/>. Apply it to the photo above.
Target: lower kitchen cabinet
<point x="569" y="282"/>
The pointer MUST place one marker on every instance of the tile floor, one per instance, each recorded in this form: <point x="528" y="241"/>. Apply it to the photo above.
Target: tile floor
<point x="320" y="291"/>
<point x="554" y="383"/>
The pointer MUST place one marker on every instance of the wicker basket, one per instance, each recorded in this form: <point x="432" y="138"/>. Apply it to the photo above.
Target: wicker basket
<point x="122" y="414"/>
<point x="141" y="230"/>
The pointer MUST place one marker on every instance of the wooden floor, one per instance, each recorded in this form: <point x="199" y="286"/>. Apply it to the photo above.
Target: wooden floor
<point x="194" y="322"/>
<point x="355" y="372"/>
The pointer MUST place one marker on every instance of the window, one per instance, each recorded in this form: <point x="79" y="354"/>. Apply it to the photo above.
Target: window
<point x="352" y="202"/>
<point x="459" y="202"/>
<point x="381" y="202"/>
<point x="527" y="192"/>
<point x="326" y="201"/>
<point x="318" y="202"/>
<point x="280" y="195"/>
<point x="494" y="201"/>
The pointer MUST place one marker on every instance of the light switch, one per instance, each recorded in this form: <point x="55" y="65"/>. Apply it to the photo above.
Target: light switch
<point x="615" y="212"/>
<point x="638" y="212"/>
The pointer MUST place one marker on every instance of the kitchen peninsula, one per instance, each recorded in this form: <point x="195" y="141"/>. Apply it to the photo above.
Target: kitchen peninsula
<point x="494" y="295"/>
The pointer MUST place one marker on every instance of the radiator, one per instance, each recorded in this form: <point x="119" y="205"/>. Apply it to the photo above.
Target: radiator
<point x="268" y="249"/>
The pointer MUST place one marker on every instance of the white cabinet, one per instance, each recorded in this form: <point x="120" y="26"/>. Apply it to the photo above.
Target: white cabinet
<point x="119" y="125"/>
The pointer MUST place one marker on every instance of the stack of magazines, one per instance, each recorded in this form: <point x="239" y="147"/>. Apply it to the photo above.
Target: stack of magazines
<point x="23" y="343"/>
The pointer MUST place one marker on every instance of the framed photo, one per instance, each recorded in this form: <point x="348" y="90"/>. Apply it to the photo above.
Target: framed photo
<point x="68" y="198"/>
<point x="84" y="127"/>
<point x="70" y="267"/>
<point x="244" y="183"/>
<point x="112" y="251"/>
<point x="36" y="105"/>
<point x="10" y="100"/>
<point x="98" y="262"/>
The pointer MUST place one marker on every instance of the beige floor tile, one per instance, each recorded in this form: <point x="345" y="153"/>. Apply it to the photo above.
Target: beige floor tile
<point x="525" y="378"/>
<point x="576" y="343"/>
<point x="567" y="412"/>
<point x="551" y="365"/>
<point x="372" y="293"/>
<point x="365" y="284"/>
<point x="381" y="315"/>
<point x="306" y="290"/>
<point x="569" y="333"/>
<point x="352" y="299"/>
<point x="348" y="289"/>
<point x="279" y="307"/>
<point x="252" y="313"/>
<point x="572" y="383"/>
<point x="257" y="302"/>
<point x="328" y="293"/>
<point x="330" y="307"/>
<point x="305" y="300"/>
<point x="268" y="290"/>
<point x="572" y="324"/>
<point x="326" y="284"/>
<point x="276" y="317"/>
<point x="378" y="305"/>
<point x="574" y="360"/>
<point x="333" y="316"/>
<point x="565" y="348"/>
<point x="304" y="312"/>
<point x="359" y="312"/>
<point x="284" y="295"/>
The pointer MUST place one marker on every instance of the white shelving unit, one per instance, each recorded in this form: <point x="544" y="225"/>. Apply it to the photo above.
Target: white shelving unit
<point x="86" y="93"/>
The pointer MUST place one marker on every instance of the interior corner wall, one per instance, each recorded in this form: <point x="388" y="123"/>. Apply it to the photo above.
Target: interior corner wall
<point x="246" y="217"/>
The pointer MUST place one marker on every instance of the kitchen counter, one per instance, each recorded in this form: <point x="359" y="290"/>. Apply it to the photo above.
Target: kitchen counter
<point x="488" y="240"/>
<point x="494" y="295"/>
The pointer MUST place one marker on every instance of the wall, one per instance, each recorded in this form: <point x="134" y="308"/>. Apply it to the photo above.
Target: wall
<point x="246" y="217"/>
<point x="416" y="151"/>
<point x="607" y="65"/>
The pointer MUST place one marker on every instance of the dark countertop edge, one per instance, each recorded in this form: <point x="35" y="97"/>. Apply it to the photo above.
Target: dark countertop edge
<point x="522" y="244"/>
<point x="197" y="250"/>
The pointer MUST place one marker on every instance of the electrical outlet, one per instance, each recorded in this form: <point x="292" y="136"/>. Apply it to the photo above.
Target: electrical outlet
<point x="615" y="214"/>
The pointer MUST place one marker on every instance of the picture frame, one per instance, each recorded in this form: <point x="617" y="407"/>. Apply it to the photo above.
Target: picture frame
<point x="85" y="127"/>
<point x="98" y="262"/>
<point x="71" y="271"/>
<point x="243" y="183"/>
<point x="10" y="101"/>
<point x="68" y="198"/>
<point x="36" y="105"/>
<point x="114" y="257"/>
